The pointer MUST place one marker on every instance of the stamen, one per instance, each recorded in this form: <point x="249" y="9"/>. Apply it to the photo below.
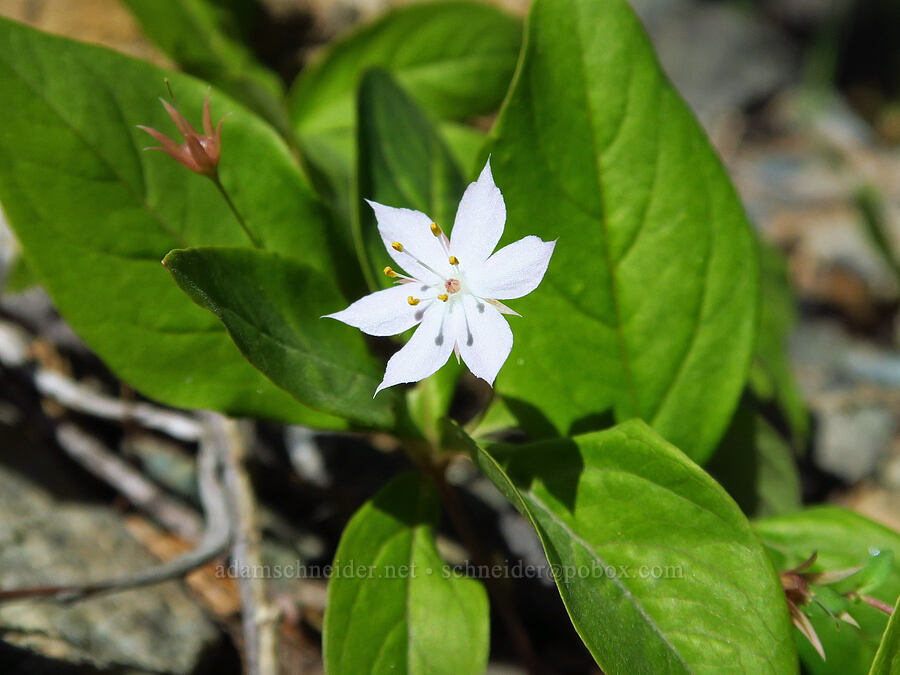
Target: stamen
<point x="389" y="272"/>
<point x="397" y="246"/>
<point x="454" y="260"/>
<point x="439" y="233"/>
<point x="412" y="301"/>
<point x="443" y="297"/>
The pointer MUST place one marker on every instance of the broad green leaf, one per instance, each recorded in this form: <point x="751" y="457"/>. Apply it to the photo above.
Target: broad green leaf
<point x="773" y="377"/>
<point x="394" y="606"/>
<point x="334" y="159"/>
<point x="465" y="143"/>
<point x="95" y="215"/>
<point x="843" y="540"/>
<point x="649" y="306"/>
<point x="273" y="307"/>
<point x="203" y="38"/>
<point x="497" y="418"/>
<point x="657" y="566"/>
<point x="756" y="466"/>
<point x="403" y="162"/>
<point x="887" y="658"/>
<point x="455" y="58"/>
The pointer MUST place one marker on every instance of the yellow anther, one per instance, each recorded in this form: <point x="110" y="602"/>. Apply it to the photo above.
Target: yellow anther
<point x="454" y="260"/>
<point x="413" y="301"/>
<point x="397" y="246"/>
<point x="389" y="272"/>
<point x="435" y="230"/>
<point x="443" y="296"/>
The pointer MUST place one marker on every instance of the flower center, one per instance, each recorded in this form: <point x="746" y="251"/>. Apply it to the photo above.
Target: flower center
<point x="452" y="285"/>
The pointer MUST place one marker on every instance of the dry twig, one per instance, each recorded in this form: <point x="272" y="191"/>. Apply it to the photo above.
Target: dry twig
<point x="85" y="400"/>
<point x="131" y="483"/>
<point x="259" y="617"/>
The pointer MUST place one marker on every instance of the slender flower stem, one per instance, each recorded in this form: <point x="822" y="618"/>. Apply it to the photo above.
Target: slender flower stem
<point x="498" y="589"/>
<point x="423" y="454"/>
<point x="234" y="210"/>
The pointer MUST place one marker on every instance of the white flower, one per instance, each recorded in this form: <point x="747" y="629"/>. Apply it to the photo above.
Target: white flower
<point x="452" y="288"/>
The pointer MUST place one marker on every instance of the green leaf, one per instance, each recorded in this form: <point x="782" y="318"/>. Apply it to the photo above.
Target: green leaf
<point x="756" y="466"/>
<point x="496" y="419"/>
<point x="877" y="571"/>
<point x="95" y="215"/>
<point x="402" y="162"/>
<point x="887" y="658"/>
<point x="649" y="306"/>
<point x="393" y="605"/>
<point x="455" y="58"/>
<point x="774" y="378"/>
<point x="658" y="568"/>
<point x="272" y="308"/>
<point x="465" y="145"/>
<point x="843" y="540"/>
<point x="203" y="38"/>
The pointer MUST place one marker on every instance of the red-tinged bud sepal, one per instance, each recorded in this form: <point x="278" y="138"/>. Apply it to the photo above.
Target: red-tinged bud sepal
<point x="200" y="152"/>
<point x="833" y="593"/>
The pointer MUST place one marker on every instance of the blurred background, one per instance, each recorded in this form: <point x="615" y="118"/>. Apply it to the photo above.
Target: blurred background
<point x="802" y="100"/>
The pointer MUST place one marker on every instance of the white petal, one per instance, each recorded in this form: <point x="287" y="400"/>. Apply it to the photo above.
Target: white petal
<point x="486" y="339"/>
<point x="513" y="271"/>
<point x="387" y="312"/>
<point x="479" y="221"/>
<point x="427" y="350"/>
<point x="413" y="230"/>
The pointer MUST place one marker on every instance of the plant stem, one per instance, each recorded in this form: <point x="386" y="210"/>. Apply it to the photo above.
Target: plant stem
<point x="498" y="589"/>
<point x="234" y="210"/>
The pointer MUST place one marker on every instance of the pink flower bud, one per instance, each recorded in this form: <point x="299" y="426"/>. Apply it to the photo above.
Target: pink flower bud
<point x="200" y="152"/>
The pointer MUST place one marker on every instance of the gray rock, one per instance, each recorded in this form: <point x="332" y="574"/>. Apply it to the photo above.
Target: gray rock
<point x="802" y="189"/>
<point x="44" y="541"/>
<point x="827" y="359"/>
<point x="719" y="57"/>
<point x="852" y="389"/>
<point x="852" y="438"/>
<point x="873" y="365"/>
